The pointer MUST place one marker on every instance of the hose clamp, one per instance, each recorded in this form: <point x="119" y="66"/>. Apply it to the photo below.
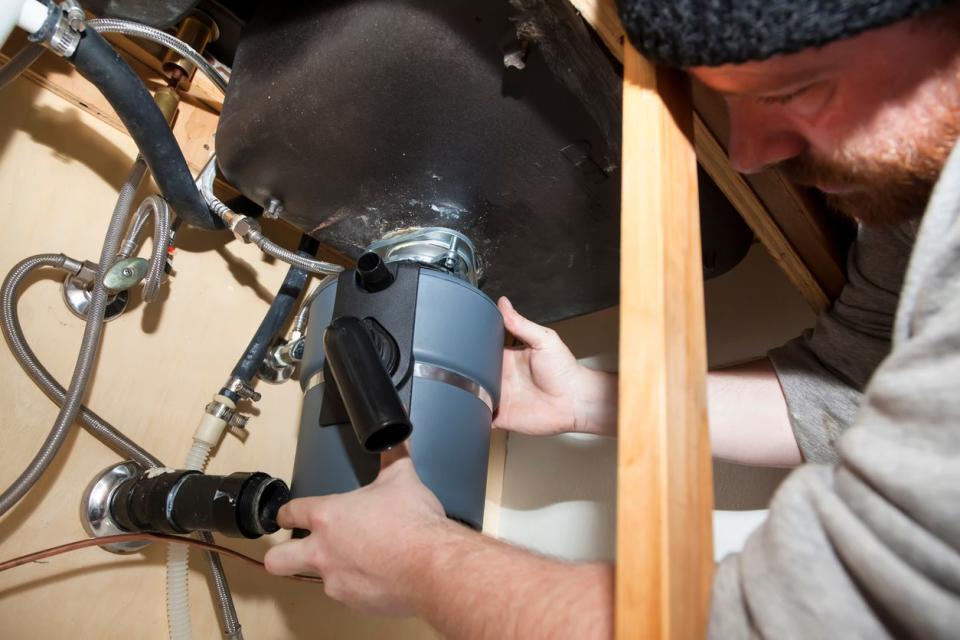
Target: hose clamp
<point x="221" y="411"/>
<point x="75" y="15"/>
<point x="63" y="38"/>
<point x="242" y="389"/>
<point x="425" y="371"/>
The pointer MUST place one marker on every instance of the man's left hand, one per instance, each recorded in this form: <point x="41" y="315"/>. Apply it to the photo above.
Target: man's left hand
<point x="368" y="544"/>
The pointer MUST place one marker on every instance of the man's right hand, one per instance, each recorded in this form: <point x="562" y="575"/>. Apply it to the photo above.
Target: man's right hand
<point x="545" y="391"/>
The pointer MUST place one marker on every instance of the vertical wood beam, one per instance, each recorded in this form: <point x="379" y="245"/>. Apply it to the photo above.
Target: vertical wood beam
<point x="664" y="486"/>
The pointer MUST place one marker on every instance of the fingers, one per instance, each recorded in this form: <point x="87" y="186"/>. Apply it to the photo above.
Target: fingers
<point x="529" y="332"/>
<point x="296" y="513"/>
<point x="288" y="558"/>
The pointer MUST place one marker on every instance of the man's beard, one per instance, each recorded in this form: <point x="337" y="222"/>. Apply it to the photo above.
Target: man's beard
<point x="882" y="194"/>
<point x="886" y="188"/>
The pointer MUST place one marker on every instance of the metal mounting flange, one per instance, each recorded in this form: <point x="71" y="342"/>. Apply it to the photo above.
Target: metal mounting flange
<point x="95" y="506"/>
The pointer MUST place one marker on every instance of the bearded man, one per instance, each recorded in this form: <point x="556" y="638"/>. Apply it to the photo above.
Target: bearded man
<point x="857" y="98"/>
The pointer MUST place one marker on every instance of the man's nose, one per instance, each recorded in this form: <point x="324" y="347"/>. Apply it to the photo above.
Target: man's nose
<point x="759" y="140"/>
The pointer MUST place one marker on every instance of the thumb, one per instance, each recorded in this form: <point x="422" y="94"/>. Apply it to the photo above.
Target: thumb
<point x="531" y="333"/>
<point x="390" y="456"/>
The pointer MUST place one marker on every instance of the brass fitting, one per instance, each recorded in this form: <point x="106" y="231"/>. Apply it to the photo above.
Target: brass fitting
<point x="167" y="100"/>
<point x="197" y="30"/>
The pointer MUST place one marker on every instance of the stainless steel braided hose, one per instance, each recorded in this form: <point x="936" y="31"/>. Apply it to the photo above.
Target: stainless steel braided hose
<point x="12" y="331"/>
<point x="137" y="30"/>
<point x="88" y="346"/>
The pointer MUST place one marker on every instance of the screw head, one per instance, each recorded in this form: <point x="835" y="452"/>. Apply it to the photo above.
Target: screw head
<point x="274" y="208"/>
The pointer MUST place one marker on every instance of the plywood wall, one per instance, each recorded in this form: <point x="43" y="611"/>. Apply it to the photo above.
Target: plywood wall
<point x="59" y="174"/>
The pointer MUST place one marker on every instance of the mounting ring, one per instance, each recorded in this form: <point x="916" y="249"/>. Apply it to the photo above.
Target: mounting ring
<point x="77" y="297"/>
<point x="95" y="507"/>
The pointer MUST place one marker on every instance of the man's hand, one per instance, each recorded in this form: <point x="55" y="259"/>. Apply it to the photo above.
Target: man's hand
<point x="368" y="544"/>
<point x="388" y="549"/>
<point x="545" y="390"/>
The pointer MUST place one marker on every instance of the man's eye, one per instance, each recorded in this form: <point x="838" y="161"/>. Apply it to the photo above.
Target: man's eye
<point x="784" y="99"/>
<point x="807" y="102"/>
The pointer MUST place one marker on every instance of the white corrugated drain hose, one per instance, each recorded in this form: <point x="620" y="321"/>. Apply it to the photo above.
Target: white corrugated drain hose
<point x="208" y="434"/>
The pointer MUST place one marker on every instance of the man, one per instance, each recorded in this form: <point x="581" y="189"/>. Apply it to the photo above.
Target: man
<point x="860" y="99"/>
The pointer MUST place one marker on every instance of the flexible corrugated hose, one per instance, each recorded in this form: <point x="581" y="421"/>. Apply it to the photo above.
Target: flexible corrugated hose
<point x="310" y="265"/>
<point x="137" y="30"/>
<point x="178" y="573"/>
<point x="156" y="207"/>
<point x="88" y="346"/>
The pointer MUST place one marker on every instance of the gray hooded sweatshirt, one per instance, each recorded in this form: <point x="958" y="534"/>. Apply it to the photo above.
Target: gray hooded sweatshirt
<point x="863" y="541"/>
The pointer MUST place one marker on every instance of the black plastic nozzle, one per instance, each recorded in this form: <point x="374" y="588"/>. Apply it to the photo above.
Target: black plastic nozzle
<point x="369" y="397"/>
<point x="241" y="505"/>
<point x="373" y="273"/>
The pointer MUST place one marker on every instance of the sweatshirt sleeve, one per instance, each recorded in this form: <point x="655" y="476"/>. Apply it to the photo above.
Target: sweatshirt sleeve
<point x="824" y="371"/>
<point x="870" y="547"/>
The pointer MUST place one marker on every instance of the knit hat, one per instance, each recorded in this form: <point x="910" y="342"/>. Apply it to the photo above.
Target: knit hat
<point x="688" y="33"/>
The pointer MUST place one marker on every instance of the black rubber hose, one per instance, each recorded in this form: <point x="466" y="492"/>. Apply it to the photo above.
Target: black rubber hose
<point x="280" y="310"/>
<point x="99" y="63"/>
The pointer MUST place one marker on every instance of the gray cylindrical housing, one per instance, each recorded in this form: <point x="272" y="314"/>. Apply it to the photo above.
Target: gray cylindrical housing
<point x="457" y="353"/>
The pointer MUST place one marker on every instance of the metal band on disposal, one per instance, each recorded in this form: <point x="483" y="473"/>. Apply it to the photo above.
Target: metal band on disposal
<point x="429" y="372"/>
<point x="315" y="380"/>
<point x="446" y="376"/>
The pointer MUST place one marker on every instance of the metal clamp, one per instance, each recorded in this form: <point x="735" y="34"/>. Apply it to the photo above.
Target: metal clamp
<point x="447" y="376"/>
<point x="426" y="371"/>
<point x="232" y="417"/>
<point x="64" y="35"/>
<point x="76" y="17"/>
<point x="436" y="247"/>
<point x="242" y="389"/>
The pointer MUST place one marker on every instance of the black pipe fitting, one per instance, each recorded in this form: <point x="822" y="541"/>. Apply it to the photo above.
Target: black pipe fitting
<point x="373" y="273"/>
<point x="241" y="505"/>
<point x="372" y="403"/>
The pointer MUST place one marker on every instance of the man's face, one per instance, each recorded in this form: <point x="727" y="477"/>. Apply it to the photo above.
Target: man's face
<point x="869" y="120"/>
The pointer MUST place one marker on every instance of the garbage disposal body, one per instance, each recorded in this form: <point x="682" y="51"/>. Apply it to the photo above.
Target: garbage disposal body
<point x="450" y="388"/>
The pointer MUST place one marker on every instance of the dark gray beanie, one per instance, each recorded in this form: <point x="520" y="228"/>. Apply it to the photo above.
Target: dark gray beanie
<point x="689" y="33"/>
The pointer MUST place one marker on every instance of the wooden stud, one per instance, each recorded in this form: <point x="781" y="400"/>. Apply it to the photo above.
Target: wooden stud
<point x="664" y="486"/>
